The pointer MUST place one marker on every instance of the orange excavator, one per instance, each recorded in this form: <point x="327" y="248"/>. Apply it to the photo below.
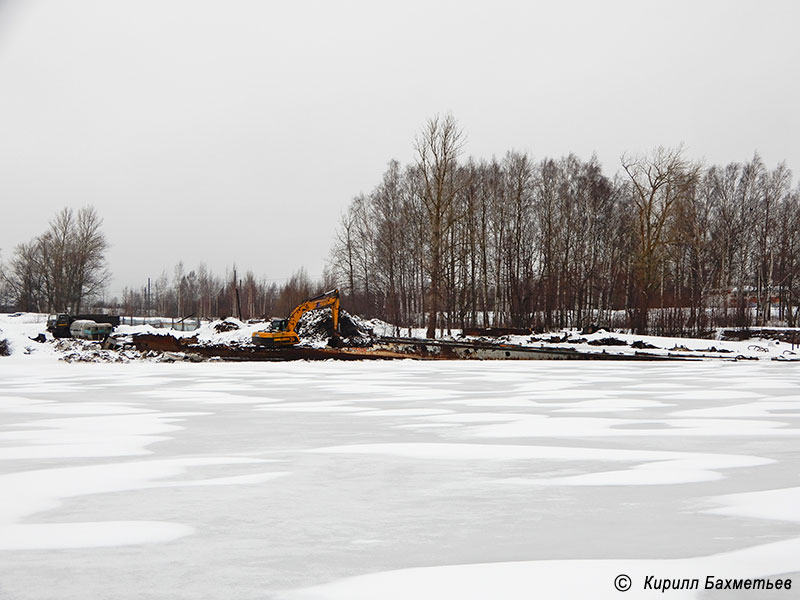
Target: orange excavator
<point x="282" y="331"/>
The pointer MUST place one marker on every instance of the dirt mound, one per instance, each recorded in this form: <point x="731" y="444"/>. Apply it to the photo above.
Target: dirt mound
<point x="226" y="325"/>
<point x="317" y="327"/>
<point x="608" y="341"/>
<point x="642" y="345"/>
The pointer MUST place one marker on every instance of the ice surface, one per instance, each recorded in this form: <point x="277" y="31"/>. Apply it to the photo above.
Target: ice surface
<point x="661" y="468"/>
<point x="392" y="480"/>
<point x="556" y="578"/>
<point x="470" y="452"/>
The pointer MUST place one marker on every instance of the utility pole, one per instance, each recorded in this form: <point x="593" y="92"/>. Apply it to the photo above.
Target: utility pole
<point x="236" y="291"/>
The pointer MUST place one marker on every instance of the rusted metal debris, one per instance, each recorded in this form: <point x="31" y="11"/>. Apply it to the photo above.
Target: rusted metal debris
<point x="789" y="336"/>
<point x="384" y="349"/>
<point x="453" y="350"/>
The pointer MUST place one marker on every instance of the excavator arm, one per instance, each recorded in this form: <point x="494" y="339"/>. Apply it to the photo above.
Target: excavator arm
<point x="330" y="298"/>
<point x="287" y="335"/>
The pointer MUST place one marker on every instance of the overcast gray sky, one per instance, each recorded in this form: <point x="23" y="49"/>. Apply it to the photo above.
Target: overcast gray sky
<point x="238" y="131"/>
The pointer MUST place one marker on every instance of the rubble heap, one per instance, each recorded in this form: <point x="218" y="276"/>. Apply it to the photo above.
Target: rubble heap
<point x="226" y="325"/>
<point x="317" y="328"/>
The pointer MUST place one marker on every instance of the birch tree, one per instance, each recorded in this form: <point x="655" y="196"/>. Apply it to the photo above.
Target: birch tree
<point x="438" y="148"/>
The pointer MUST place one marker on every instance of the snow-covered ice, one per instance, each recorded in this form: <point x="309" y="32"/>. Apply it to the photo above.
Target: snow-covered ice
<point x="412" y="480"/>
<point x="557" y="579"/>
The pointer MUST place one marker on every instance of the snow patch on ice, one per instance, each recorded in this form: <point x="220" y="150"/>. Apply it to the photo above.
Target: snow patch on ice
<point x="660" y="468"/>
<point x="774" y="407"/>
<point x="37" y="491"/>
<point x="780" y="505"/>
<point x="74" y="408"/>
<point x="115" y="435"/>
<point x="42" y="536"/>
<point x="201" y="397"/>
<point x="606" y="427"/>
<point x="445" y="451"/>
<point x="233" y="480"/>
<point x="404" y="412"/>
<point x="692" y="469"/>
<point x="315" y="406"/>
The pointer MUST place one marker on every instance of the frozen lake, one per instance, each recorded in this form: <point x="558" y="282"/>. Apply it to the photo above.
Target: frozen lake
<point x="375" y="480"/>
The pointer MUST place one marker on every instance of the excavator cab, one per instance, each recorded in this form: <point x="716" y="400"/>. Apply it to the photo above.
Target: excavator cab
<point x="278" y="324"/>
<point x="282" y="331"/>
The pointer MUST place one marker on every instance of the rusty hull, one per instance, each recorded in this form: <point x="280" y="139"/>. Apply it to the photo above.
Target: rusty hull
<point x="384" y="349"/>
<point x="453" y="350"/>
<point x="250" y="352"/>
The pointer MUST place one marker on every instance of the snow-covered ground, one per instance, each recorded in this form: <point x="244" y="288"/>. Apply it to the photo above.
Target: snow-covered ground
<point x="402" y="479"/>
<point x="20" y="330"/>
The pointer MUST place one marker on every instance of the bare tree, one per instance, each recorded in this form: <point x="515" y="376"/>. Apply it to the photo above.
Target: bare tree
<point x="23" y="278"/>
<point x="519" y="244"/>
<point x="773" y="190"/>
<point x="387" y="201"/>
<point x="438" y="147"/>
<point x="658" y="181"/>
<point x="88" y="273"/>
<point x="65" y="266"/>
<point x="698" y="259"/>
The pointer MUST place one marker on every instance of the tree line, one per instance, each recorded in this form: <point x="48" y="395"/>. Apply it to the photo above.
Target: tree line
<point x="199" y="292"/>
<point x="65" y="270"/>
<point x="667" y="245"/>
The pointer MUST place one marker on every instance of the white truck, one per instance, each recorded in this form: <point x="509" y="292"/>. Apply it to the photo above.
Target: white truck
<point x="90" y="330"/>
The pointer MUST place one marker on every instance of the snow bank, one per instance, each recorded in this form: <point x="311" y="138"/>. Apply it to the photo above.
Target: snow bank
<point x="628" y="343"/>
<point x="19" y="329"/>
